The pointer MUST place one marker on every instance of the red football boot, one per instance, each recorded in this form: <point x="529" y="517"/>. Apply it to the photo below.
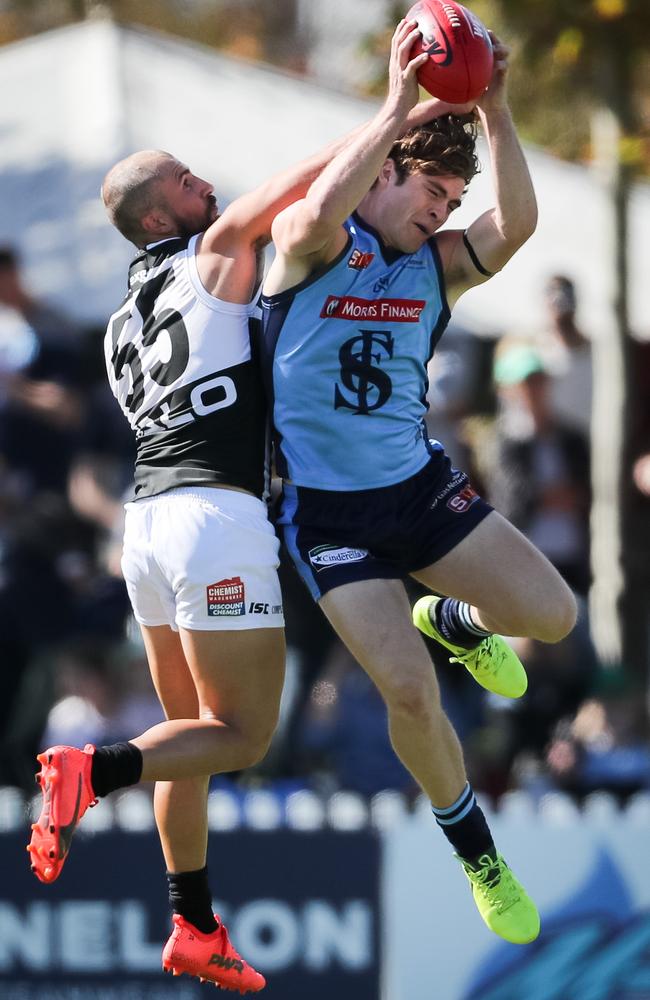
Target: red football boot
<point x="211" y="957"/>
<point x="67" y="793"/>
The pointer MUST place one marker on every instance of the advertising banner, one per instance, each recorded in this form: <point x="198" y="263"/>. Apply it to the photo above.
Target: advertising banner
<point x="301" y="907"/>
<point x="592" y="887"/>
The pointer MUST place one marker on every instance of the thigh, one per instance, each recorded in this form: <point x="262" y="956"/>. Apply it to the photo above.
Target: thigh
<point x="170" y="672"/>
<point x="499" y="571"/>
<point x="237" y="676"/>
<point x="233" y="676"/>
<point x="373" y="619"/>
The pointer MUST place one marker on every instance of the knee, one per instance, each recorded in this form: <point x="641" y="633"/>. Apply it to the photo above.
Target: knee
<point x="414" y="695"/>
<point x="558" y="616"/>
<point x="255" y="748"/>
<point x="255" y="741"/>
<point x="248" y="744"/>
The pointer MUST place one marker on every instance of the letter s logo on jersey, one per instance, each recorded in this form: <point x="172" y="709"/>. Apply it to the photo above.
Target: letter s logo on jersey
<point x="461" y="501"/>
<point x="359" y="261"/>
<point x="370" y="387"/>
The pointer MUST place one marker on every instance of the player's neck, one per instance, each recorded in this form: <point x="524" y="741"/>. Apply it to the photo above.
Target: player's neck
<point x="368" y="212"/>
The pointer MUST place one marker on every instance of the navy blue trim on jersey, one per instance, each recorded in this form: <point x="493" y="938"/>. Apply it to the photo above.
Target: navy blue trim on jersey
<point x="443" y="318"/>
<point x="390" y="254"/>
<point x="475" y="261"/>
<point x="309" y="280"/>
<point x="435" y="253"/>
<point x="271" y="330"/>
<point x="277" y="309"/>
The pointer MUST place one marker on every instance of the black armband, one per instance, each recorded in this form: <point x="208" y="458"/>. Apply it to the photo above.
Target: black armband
<point x="475" y="261"/>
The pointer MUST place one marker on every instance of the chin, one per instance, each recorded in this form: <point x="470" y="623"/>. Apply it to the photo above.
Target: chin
<point x="412" y="246"/>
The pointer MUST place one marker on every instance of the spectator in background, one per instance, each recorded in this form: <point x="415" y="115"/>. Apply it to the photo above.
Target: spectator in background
<point x="51" y="326"/>
<point x="636" y="516"/>
<point x="537" y="474"/>
<point x="535" y="470"/>
<point x="604" y="746"/>
<point x="42" y="409"/>
<point x="102" y="690"/>
<point x="51" y="587"/>
<point x="566" y="353"/>
<point x="460" y="386"/>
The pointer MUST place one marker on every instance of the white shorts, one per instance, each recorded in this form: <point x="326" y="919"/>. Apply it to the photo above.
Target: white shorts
<point x="202" y="558"/>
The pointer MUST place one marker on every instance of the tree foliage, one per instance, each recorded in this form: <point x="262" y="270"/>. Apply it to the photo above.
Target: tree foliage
<point x="568" y="56"/>
<point x="589" y="53"/>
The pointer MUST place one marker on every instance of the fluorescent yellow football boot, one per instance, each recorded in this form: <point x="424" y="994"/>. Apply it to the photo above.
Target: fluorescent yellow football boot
<point x="493" y="663"/>
<point x="502" y="901"/>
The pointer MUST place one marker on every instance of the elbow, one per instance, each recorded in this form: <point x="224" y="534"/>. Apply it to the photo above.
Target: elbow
<point x="532" y="217"/>
<point x="516" y="235"/>
<point x="528" y="222"/>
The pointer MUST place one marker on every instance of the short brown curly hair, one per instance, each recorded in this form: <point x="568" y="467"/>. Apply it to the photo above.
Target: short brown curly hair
<point x="445" y="146"/>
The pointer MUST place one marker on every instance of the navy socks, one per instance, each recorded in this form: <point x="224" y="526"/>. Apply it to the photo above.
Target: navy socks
<point x="465" y="827"/>
<point x="454" y="621"/>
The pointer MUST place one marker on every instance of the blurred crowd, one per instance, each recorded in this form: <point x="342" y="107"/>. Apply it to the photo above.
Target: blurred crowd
<point x="512" y="411"/>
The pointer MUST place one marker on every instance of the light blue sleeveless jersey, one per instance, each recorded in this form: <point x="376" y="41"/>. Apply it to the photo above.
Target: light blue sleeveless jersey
<point x="346" y="356"/>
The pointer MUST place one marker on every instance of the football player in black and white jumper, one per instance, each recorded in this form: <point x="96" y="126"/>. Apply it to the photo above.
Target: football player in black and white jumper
<point x="200" y="556"/>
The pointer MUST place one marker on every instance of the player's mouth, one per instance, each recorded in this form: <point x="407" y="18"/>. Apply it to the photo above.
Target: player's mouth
<point x="424" y="231"/>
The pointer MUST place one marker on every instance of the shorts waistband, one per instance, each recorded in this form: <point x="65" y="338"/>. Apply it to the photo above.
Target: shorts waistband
<point x="214" y="495"/>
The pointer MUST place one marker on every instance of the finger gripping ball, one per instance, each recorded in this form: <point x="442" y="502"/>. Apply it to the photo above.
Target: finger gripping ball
<point x="459" y="66"/>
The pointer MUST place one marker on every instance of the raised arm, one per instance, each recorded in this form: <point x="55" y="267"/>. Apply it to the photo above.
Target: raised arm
<point x="311" y="230"/>
<point x="497" y="234"/>
<point x="249" y="218"/>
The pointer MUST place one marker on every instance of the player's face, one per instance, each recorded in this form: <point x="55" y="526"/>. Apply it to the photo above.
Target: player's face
<point x="188" y="199"/>
<point x="418" y="207"/>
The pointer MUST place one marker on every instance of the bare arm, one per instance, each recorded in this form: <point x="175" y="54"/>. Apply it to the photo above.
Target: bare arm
<point x="497" y="234"/>
<point x="248" y="219"/>
<point x="311" y="230"/>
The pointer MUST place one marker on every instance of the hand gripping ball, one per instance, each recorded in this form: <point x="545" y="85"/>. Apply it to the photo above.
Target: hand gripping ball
<point x="459" y="66"/>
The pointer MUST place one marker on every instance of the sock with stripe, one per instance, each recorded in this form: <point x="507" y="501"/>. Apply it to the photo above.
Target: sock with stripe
<point x="454" y="621"/>
<point x="465" y="826"/>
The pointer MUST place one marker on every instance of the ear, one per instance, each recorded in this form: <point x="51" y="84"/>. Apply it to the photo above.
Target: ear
<point x="387" y="172"/>
<point x="156" y="222"/>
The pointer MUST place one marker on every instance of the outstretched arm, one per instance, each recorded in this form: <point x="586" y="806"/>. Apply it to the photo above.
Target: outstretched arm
<point x="249" y="218"/>
<point x="311" y="230"/>
<point x="498" y="233"/>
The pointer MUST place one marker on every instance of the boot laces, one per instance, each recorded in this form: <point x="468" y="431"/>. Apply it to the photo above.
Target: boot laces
<point x="485" y="656"/>
<point x="496" y="882"/>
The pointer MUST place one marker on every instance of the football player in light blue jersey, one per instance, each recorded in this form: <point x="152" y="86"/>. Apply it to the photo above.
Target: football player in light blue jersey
<point x="354" y="303"/>
<point x="200" y="556"/>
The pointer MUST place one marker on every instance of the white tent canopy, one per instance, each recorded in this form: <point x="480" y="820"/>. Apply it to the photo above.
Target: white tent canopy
<point x="83" y="96"/>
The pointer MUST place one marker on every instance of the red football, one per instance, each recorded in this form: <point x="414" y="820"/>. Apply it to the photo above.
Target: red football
<point x="459" y="66"/>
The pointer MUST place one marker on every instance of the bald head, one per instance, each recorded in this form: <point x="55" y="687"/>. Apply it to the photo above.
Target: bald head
<point x="131" y="190"/>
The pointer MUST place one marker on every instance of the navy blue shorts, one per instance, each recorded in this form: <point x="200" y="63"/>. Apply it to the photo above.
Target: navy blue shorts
<point x="341" y="537"/>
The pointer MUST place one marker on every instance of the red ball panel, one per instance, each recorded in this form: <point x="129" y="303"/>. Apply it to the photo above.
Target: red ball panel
<point x="459" y="66"/>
